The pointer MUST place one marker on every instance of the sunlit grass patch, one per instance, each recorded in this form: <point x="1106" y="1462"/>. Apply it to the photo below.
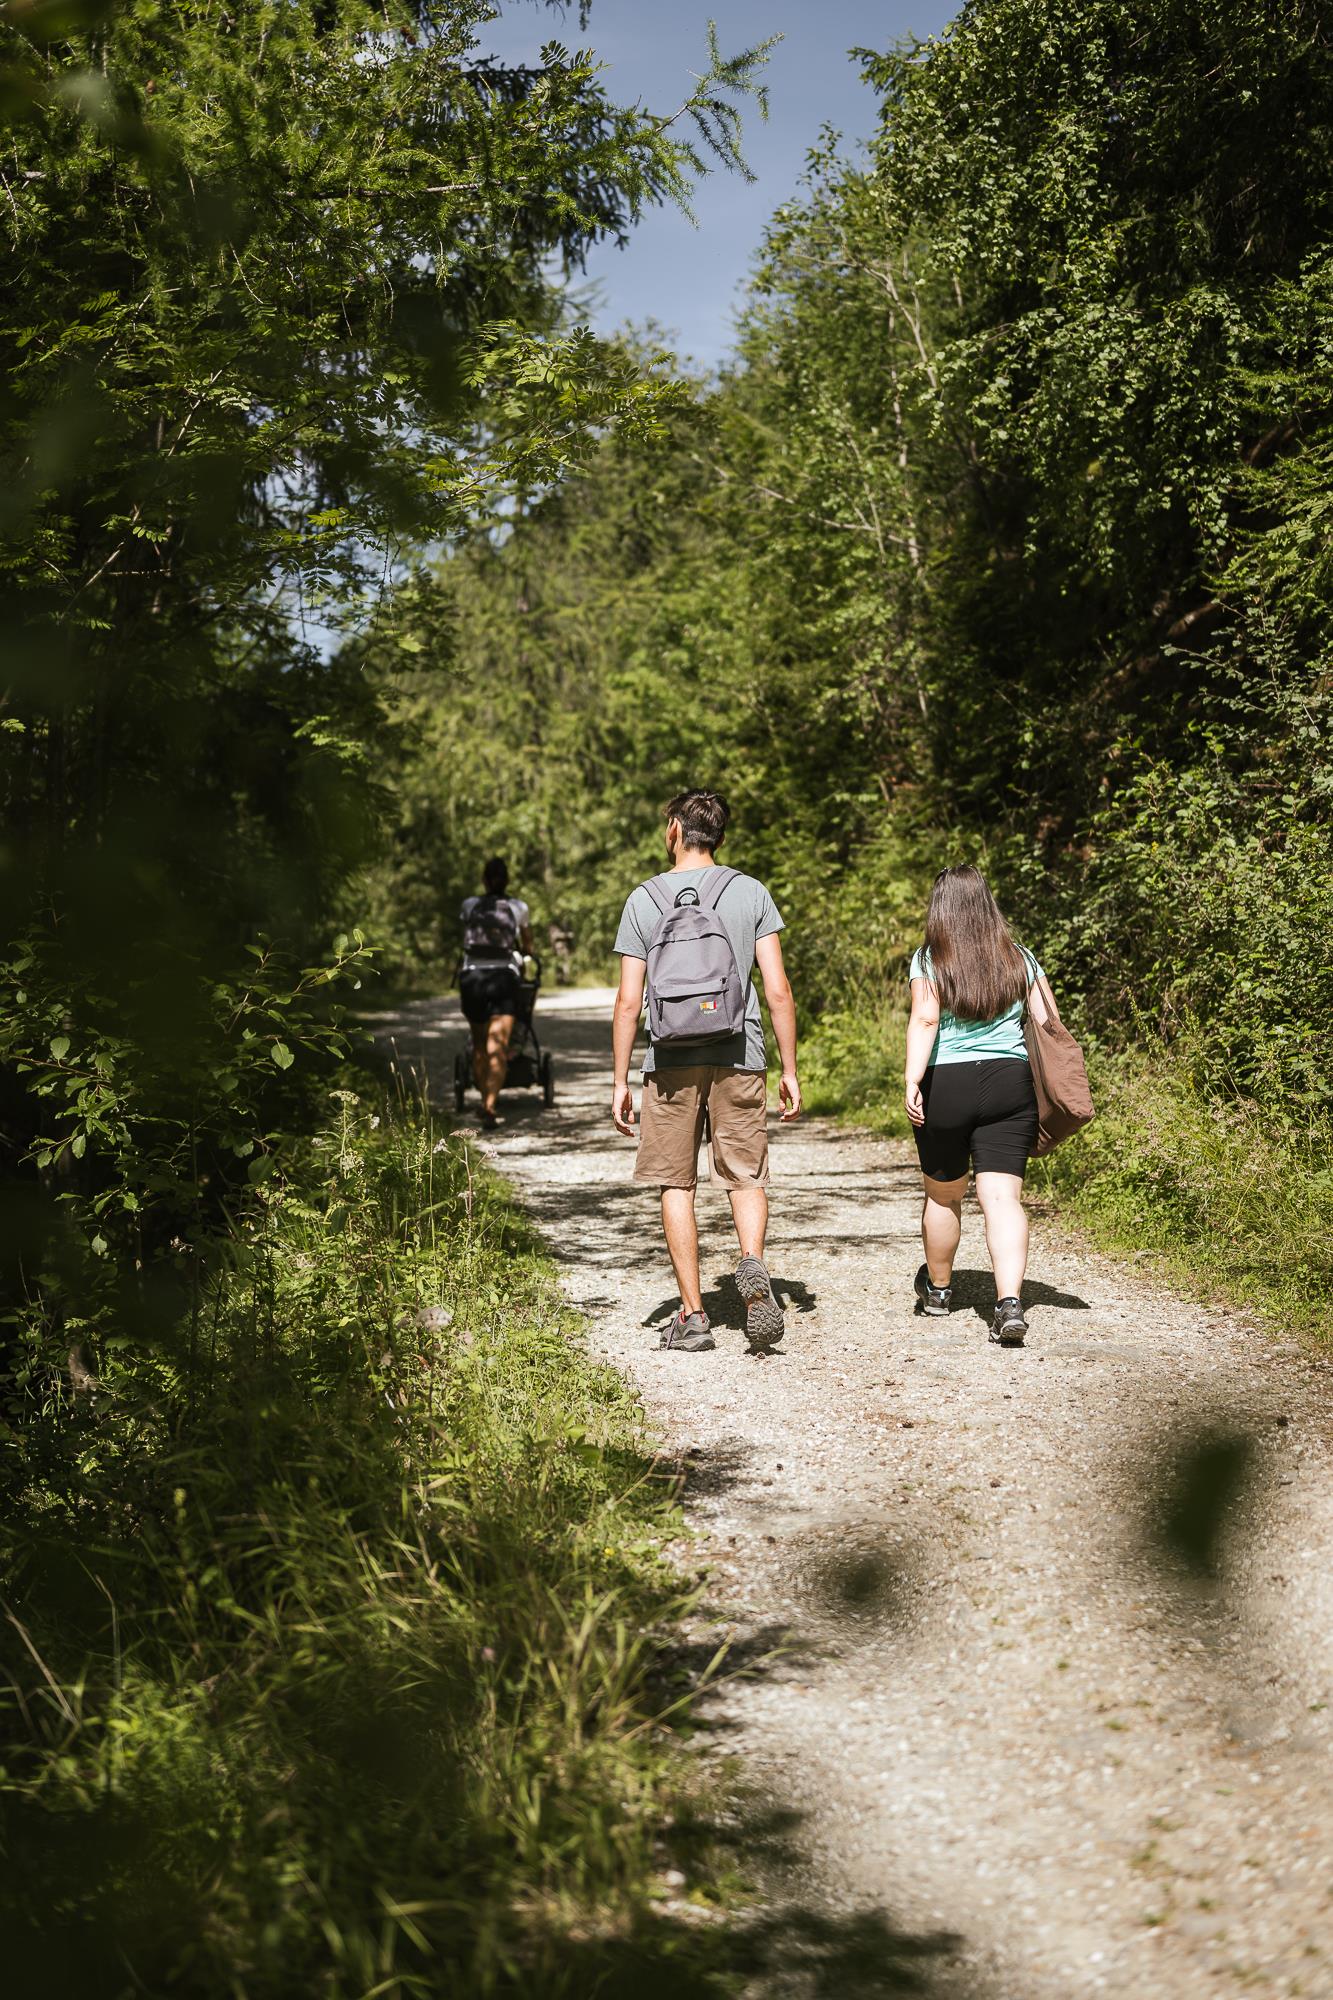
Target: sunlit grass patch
<point x="852" y="1065"/>
<point x="1237" y="1198"/>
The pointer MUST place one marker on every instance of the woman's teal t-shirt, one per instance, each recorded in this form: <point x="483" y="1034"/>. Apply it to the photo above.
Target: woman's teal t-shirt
<point x="977" y="1041"/>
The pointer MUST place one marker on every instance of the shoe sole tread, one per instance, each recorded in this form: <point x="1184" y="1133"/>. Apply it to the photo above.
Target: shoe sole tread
<point x="765" y="1321"/>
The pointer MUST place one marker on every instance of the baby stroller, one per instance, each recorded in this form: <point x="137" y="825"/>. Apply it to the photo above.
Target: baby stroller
<point x="529" y="1063"/>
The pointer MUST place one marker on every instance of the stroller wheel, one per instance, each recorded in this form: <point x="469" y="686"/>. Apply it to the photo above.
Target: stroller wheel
<point x="548" y="1079"/>
<point x="460" y="1080"/>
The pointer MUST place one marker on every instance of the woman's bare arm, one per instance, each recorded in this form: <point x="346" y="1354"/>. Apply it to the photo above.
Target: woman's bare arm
<point x="921" y="1031"/>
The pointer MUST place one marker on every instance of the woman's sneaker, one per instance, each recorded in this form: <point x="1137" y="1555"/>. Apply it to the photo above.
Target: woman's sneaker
<point x="690" y="1332"/>
<point x="934" y="1299"/>
<point x="1008" y="1328"/>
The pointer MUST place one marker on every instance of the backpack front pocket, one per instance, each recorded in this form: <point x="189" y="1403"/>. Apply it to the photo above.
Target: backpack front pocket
<point x="690" y="1017"/>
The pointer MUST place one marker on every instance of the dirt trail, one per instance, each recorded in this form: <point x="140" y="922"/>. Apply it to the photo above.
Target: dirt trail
<point x="997" y="1717"/>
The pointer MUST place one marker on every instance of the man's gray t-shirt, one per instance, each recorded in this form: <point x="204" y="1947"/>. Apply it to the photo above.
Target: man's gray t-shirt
<point x="748" y="913"/>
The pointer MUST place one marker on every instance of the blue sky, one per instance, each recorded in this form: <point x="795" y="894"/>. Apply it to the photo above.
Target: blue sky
<point x="686" y="277"/>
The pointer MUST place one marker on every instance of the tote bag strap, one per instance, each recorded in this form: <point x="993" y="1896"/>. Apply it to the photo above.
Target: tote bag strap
<point x="1047" y="998"/>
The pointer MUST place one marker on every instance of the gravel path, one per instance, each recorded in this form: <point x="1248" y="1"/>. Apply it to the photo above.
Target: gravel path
<point x="1000" y="1714"/>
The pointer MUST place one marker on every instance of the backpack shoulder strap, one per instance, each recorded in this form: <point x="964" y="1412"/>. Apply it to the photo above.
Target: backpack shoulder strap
<point x="657" y="895"/>
<point x="712" y="894"/>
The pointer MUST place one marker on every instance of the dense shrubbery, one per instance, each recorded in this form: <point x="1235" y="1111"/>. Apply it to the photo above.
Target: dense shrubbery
<point x="325" y="1669"/>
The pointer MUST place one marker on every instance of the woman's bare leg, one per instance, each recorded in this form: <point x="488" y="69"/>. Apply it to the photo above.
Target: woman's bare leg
<point x="1001" y="1198"/>
<point x="498" y="1031"/>
<point x="941" y="1226"/>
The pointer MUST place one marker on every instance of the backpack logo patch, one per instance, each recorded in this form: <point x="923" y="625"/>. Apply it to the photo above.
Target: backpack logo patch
<point x="708" y="1006"/>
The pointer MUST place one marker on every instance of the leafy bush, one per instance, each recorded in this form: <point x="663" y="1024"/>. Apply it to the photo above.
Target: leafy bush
<point x="852" y="1066"/>
<point x="270" y="321"/>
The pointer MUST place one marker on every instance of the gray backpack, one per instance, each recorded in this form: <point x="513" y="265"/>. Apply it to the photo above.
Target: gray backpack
<point x="695" y="995"/>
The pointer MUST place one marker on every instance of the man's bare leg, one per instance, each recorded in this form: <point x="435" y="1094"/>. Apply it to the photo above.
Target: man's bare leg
<point x="682" y="1240"/>
<point x="749" y="1212"/>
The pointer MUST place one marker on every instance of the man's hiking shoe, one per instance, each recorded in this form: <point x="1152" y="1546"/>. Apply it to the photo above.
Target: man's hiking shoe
<point x="764" y="1321"/>
<point x="690" y="1332"/>
<point x="934" y="1300"/>
<point x="1008" y="1328"/>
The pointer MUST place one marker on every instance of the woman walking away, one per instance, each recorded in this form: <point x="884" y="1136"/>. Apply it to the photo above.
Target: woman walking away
<point x="497" y="931"/>
<point x="969" y="1089"/>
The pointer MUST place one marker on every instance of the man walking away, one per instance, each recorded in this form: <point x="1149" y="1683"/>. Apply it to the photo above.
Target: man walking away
<point x="497" y="930"/>
<point x="692" y="936"/>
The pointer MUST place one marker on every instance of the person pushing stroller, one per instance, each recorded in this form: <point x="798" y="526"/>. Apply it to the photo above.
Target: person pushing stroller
<point x="497" y="933"/>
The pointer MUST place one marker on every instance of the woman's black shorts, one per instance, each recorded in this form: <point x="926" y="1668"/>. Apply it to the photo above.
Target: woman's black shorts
<point x="488" y="990"/>
<point x="985" y="1110"/>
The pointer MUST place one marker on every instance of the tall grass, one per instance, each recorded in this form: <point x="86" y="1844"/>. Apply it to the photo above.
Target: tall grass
<point x="333" y="1648"/>
<point x="1235" y="1197"/>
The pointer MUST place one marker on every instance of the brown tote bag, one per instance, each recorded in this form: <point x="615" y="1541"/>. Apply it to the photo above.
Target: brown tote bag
<point x="1059" y="1077"/>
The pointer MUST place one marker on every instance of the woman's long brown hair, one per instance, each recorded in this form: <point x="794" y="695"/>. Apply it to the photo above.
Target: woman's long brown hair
<point x="977" y="969"/>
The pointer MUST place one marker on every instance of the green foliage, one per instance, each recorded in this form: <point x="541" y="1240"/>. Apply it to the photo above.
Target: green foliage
<point x="533" y="689"/>
<point x="285" y="293"/>
<point x="335" y="1613"/>
<point x="1200" y="913"/>
<point x="1004" y="538"/>
<point x="1130" y="660"/>
<point x="328" y="1663"/>
<point x="852" y="1065"/>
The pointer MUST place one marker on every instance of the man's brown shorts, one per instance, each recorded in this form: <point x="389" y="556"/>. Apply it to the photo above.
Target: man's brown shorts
<point x="671" y="1125"/>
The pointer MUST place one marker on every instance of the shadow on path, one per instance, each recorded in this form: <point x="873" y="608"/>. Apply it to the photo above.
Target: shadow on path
<point x="794" y="1952"/>
<point x="724" y="1305"/>
<point x="975" y="1291"/>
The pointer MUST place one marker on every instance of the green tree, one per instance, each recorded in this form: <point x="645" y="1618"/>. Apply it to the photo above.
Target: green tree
<point x="1006" y="533"/>
<point x="281" y="297"/>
